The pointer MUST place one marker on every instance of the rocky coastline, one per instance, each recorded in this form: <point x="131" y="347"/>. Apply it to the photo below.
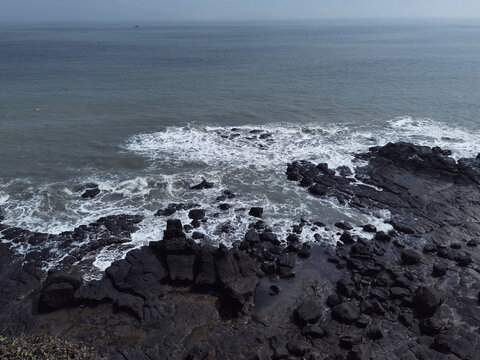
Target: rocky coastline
<point x="409" y="293"/>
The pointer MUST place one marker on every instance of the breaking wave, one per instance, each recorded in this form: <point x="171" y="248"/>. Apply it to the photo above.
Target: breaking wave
<point x="249" y="160"/>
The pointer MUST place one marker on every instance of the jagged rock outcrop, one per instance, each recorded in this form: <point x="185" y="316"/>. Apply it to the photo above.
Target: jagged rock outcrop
<point x="135" y="284"/>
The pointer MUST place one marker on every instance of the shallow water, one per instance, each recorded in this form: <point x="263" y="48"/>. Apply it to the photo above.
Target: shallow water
<point x="147" y="112"/>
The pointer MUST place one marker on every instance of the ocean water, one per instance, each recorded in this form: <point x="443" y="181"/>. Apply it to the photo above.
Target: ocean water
<point x="146" y="112"/>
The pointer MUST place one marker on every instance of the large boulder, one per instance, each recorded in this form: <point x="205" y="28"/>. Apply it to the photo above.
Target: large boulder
<point x="308" y="312"/>
<point x="196" y="214"/>
<point x="256" y="211"/>
<point x="346" y="312"/>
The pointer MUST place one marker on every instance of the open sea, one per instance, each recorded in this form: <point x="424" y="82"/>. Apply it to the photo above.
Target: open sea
<point x="147" y="111"/>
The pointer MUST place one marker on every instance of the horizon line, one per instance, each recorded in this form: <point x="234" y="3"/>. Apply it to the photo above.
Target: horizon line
<point x="172" y="21"/>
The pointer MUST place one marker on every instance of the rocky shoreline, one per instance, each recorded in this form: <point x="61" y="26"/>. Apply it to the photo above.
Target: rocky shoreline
<point x="410" y="293"/>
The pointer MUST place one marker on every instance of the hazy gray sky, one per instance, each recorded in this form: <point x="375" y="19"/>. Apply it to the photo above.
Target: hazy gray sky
<point x="165" y="10"/>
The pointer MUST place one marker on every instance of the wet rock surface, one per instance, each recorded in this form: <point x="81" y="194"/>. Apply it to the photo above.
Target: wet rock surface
<point x="90" y="191"/>
<point x="414" y="282"/>
<point x="408" y="293"/>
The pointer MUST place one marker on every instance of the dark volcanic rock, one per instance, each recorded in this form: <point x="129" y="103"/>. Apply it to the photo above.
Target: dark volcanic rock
<point x="293" y="238"/>
<point x="369" y="228"/>
<point x="346" y="312"/>
<point x="252" y="236"/>
<point x="56" y="296"/>
<point x="198" y="352"/>
<point x="430" y="248"/>
<point x="58" y="291"/>
<point x="432" y="326"/>
<point x="286" y="260"/>
<point x="237" y="273"/>
<point x="348" y="342"/>
<point x="224" y="206"/>
<point x="375" y="332"/>
<point x="382" y="236"/>
<point x="304" y="251"/>
<point x="135" y="284"/>
<point x="91" y="193"/>
<point x="298" y="347"/>
<point x="313" y="331"/>
<point x="427" y="301"/>
<point x="174" y="230"/>
<point x="269" y="267"/>
<point x="333" y="300"/>
<point x="433" y="200"/>
<point x="196" y="235"/>
<point x="344" y="225"/>
<point x="206" y="277"/>
<point x="346" y="286"/>
<point x="410" y="257"/>
<point x="203" y="185"/>
<point x="270" y="237"/>
<point x="196" y="214"/>
<point x="439" y="270"/>
<point x="179" y="255"/>
<point x="318" y="189"/>
<point x="181" y="267"/>
<point x="308" y="312"/>
<point x="174" y="207"/>
<point x="347" y="238"/>
<point x="176" y="299"/>
<point x="256" y="211"/>
<point x="463" y="259"/>
<point x="274" y="290"/>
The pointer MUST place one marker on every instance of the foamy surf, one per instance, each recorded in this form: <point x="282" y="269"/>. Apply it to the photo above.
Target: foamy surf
<point x="268" y="146"/>
<point x="249" y="160"/>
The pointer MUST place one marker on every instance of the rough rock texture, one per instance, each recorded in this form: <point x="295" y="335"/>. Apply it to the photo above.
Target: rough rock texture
<point x="434" y="202"/>
<point x="408" y="293"/>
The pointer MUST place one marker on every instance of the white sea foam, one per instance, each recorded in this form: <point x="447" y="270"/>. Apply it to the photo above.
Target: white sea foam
<point x="220" y="146"/>
<point x="251" y="166"/>
<point x="138" y="187"/>
<point x="333" y="143"/>
<point x="3" y="198"/>
<point x="462" y="142"/>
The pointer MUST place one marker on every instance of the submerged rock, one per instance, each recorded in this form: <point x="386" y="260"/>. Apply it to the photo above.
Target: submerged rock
<point x="91" y="193"/>
<point x="203" y="185"/>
